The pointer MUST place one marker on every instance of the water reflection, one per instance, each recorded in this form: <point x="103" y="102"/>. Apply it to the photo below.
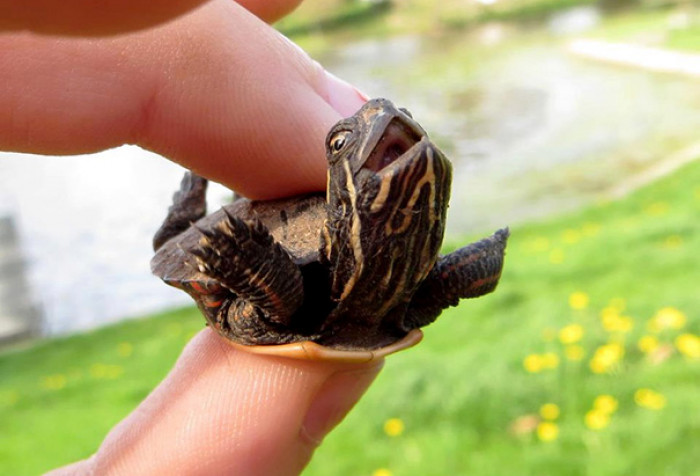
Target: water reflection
<point x="85" y="225"/>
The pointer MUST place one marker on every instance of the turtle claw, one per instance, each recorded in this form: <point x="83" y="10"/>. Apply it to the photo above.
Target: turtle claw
<point x="245" y="259"/>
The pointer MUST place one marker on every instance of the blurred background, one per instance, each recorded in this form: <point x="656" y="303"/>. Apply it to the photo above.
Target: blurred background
<point x="573" y="121"/>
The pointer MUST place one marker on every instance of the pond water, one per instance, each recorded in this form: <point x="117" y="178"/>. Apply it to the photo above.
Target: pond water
<point x="531" y="131"/>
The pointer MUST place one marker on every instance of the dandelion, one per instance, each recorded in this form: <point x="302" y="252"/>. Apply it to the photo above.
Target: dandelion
<point x="107" y="372"/>
<point x="539" y="244"/>
<point x="688" y="345"/>
<point x="550" y="411"/>
<point x="648" y="344"/>
<point x="54" y="382"/>
<point x="616" y="323"/>
<point x="578" y="300"/>
<point x="571" y="236"/>
<point x="647" y="398"/>
<point x="609" y="313"/>
<point x="571" y="334"/>
<point x="533" y="363"/>
<point x="667" y="318"/>
<point x="673" y="242"/>
<point x="547" y="431"/>
<point x="393" y="427"/>
<point x="606" y="356"/>
<point x="596" y="419"/>
<point x="656" y="208"/>
<point x="605" y="404"/>
<point x="382" y="472"/>
<point x="590" y="229"/>
<point x="124" y="349"/>
<point x="574" y="352"/>
<point x="556" y="256"/>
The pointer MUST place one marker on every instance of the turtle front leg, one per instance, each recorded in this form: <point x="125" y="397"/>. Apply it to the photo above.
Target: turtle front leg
<point x="469" y="272"/>
<point x="189" y="205"/>
<point x="245" y="259"/>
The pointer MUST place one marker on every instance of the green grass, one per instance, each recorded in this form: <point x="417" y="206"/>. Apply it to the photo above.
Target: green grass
<point x="460" y="393"/>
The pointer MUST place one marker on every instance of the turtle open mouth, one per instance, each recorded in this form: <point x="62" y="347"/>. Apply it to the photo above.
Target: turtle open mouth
<point x="397" y="139"/>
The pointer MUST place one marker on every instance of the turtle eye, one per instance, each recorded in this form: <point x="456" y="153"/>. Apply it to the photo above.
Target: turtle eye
<point x="338" y="141"/>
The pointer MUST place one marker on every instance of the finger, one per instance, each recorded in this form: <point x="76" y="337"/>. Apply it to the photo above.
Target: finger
<point x="87" y="17"/>
<point x="226" y="411"/>
<point x="270" y="11"/>
<point x="80" y="17"/>
<point x="217" y="90"/>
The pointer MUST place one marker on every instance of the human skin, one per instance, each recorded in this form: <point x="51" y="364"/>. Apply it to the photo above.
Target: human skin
<point x="213" y="87"/>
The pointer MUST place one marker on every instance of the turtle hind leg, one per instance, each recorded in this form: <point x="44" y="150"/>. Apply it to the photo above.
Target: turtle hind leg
<point x="189" y="205"/>
<point x="244" y="258"/>
<point x="469" y="272"/>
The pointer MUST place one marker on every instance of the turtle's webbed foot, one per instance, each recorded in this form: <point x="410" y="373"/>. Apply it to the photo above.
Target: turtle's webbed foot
<point x="244" y="257"/>
<point x="469" y="272"/>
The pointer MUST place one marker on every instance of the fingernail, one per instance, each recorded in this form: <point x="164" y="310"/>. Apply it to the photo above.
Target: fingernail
<point x="334" y="400"/>
<point x="343" y="97"/>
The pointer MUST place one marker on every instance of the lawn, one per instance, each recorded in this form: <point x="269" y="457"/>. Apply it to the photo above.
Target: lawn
<point x="584" y="362"/>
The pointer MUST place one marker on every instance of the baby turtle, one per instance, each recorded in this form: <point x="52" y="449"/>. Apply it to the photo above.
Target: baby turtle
<point x="350" y="276"/>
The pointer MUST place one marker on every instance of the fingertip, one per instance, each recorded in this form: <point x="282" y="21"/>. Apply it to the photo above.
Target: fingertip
<point x="342" y="96"/>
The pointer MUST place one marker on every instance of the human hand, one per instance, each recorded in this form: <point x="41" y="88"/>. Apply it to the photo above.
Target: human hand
<point x="216" y="90"/>
<point x="219" y="91"/>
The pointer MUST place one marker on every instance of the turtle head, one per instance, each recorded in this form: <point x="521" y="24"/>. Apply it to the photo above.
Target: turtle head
<point x="388" y="189"/>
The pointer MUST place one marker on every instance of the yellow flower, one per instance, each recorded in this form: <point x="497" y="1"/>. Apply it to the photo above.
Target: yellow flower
<point x="667" y="318"/>
<point x="571" y="333"/>
<point x="533" y="363"/>
<point x="571" y="236"/>
<point x="648" y="344"/>
<point x="673" y="242"/>
<point x="393" y="427"/>
<point x="556" y="256"/>
<point x="609" y="313"/>
<point x="606" y="356"/>
<point x="616" y="323"/>
<point x="596" y="419"/>
<point x="574" y="352"/>
<point x="656" y="208"/>
<point x="124" y="349"/>
<point x="547" y="431"/>
<point x="550" y="360"/>
<point x="108" y="372"/>
<point x="578" y="300"/>
<point x="605" y="404"/>
<point x="54" y="382"/>
<point x="382" y="472"/>
<point x="590" y="228"/>
<point x="688" y="345"/>
<point x="539" y="243"/>
<point x="647" y="398"/>
<point x="550" y="411"/>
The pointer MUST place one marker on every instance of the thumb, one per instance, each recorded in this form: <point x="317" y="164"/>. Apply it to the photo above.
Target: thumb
<point x="226" y="411"/>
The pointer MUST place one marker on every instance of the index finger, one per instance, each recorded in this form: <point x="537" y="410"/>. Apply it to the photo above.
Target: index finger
<point x="107" y="17"/>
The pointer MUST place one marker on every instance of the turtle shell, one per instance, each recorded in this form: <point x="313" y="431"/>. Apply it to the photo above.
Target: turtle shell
<point x="295" y="224"/>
